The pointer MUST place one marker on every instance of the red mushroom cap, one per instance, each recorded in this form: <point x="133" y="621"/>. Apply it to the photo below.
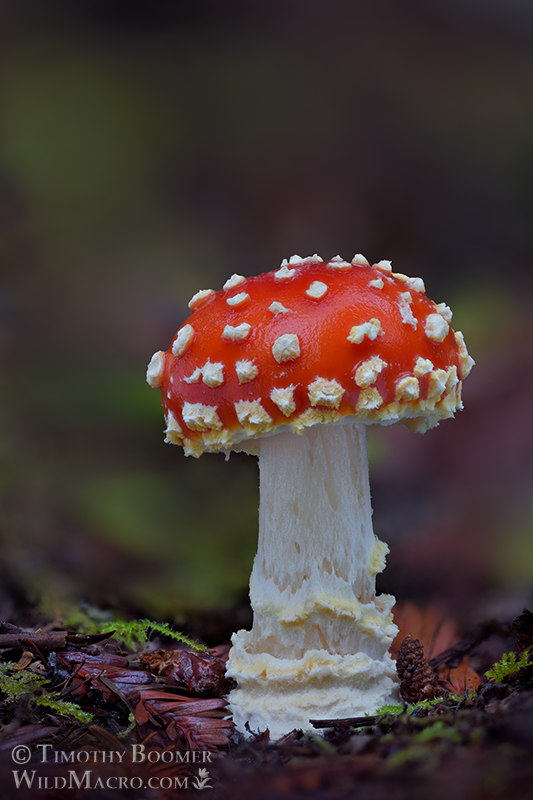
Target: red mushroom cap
<point x="311" y="342"/>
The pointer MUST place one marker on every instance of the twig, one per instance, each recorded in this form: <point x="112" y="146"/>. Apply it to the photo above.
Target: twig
<point x="346" y="722"/>
<point x="453" y="655"/>
<point x="48" y="640"/>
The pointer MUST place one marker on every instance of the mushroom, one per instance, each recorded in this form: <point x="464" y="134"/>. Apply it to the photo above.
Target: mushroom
<point x="264" y="365"/>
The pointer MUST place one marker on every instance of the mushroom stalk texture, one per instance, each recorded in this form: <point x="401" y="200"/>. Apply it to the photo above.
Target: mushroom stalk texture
<point x="320" y="638"/>
<point x="292" y="365"/>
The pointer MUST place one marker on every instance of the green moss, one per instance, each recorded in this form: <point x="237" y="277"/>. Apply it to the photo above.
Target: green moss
<point x="17" y="684"/>
<point x="63" y="707"/>
<point x="24" y="684"/>
<point x="131" y="725"/>
<point x="394" y="709"/>
<point x="426" y="740"/>
<point x="416" y="753"/>
<point x="510" y="664"/>
<point x="134" y="633"/>
<point x="131" y="633"/>
<point x="438" y="731"/>
<point x="424" y="705"/>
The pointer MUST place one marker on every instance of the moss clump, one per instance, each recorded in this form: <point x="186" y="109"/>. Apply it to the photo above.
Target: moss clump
<point x="25" y="684"/>
<point x="17" y="684"/>
<point x="396" y="709"/>
<point x="509" y="665"/>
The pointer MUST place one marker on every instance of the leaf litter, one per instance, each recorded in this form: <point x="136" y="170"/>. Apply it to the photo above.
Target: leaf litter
<point x="461" y="728"/>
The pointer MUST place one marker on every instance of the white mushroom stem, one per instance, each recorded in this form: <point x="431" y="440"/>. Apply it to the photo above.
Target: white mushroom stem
<point x="316" y="541"/>
<point x="320" y="637"/>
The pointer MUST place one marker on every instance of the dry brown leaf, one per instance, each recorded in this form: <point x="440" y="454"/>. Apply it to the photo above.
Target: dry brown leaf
<point x="433" y="630"/>
<point x="436" y="634"/>
<point x="459" y="679"/>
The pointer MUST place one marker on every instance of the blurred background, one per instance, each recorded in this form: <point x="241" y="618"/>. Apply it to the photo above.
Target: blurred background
<point x="149" y="149"/>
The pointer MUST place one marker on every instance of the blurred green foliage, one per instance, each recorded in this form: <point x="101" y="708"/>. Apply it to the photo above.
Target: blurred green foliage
<point x="149" y="154"/>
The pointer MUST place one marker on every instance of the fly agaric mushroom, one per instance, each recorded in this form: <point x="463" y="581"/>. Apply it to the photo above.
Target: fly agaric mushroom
<point x="288" y="352"/>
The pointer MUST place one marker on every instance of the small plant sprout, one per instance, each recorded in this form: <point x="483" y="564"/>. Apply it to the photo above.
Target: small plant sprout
<point x="292" y="366"/>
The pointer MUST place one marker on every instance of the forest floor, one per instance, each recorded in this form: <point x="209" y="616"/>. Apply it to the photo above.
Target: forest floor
<point x="117" y="714"/>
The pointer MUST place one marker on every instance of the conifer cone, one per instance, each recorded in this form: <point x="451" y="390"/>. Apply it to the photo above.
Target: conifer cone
<point x="417" y="679"/>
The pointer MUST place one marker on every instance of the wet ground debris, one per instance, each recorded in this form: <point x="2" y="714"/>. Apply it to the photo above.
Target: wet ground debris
<point x="198" y="673"/>
<point x="177" y="699"/>
<point x="195" y="723"/>
<point x="522" y="627"/>
<point x="13" y="637"/>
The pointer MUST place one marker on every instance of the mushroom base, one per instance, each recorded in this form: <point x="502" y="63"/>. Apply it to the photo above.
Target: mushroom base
<point x="281" y="694"/>
<point x="320" y="637"/>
